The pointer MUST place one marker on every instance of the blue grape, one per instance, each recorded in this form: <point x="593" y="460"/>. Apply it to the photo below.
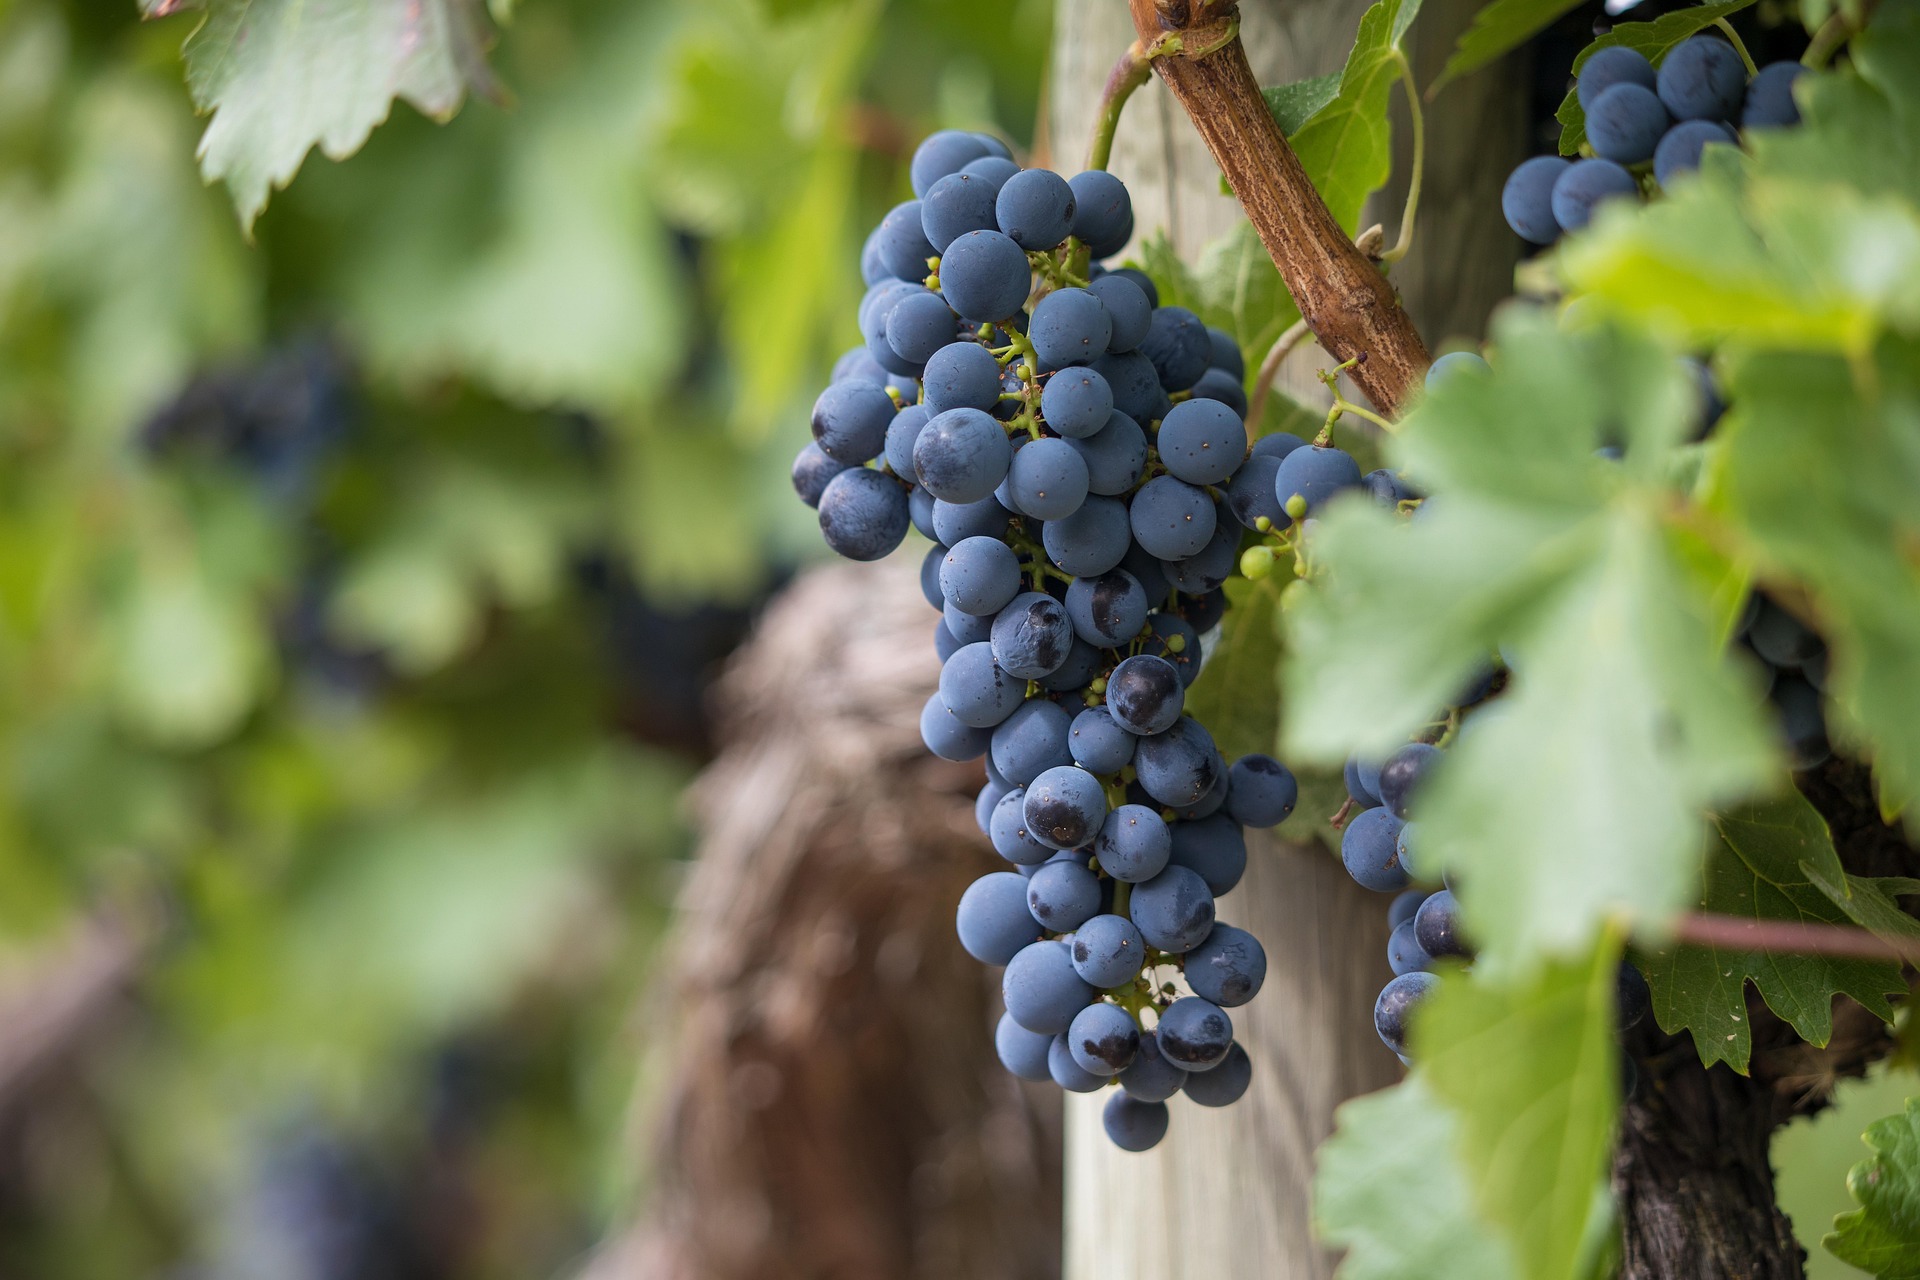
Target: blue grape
<point x="1035" y="208"/>
<point x="1225" y="1084"/>
<point x="919" y="325"/>
<point x="1770" y="103"/>
<point x="854" y="362"/>
<point x="1069" y="327"/>
<point x="966" y="628"/>
<point x="985" y="276"/>
<point x="1251" y="497"/>
<point x="930" y="576"/>
<point x="1455" y="364"/>
<point x="1404" y="904"/>
<point x="1229" y="968"/>
<point x="947" y="737"/>
<point x="1067" y="1073"/>
<point x="904" y="247"/>
<point x="1065" y="807"/>
<point x="1150" y="1077"/>
<point x="878" y="299"/>
<point x="812" y="470"/>
<point x="1133" y="1125"/>
<point x="1134" y="844"/>
<point x="1404" y="952"/>
<point x="1178" y="346"/>
<point x="1213" y="848"/>
<point x="1278" y="445"/>
<point x="1803" y="722"/>
<point x="1315" y="474"/>
<point x="1401" y="773"/>
<point x="920" y="511"/>
<point x="1127" y="308"/>
<point x="1031" y="741"/>
<point x="1008" y="831"/>
<point x="1223" y="353"/>
<point x="1048" y="479"/>
<point x="1205" y="612"/>
<point x="1527" y="200"/>
<point x="1103" y="1039"/>
<point x="1680" y="150"/>
<point x="1098" y="744"/>
<point x="1633" y="1000"/>
<point x="1202" y="441"/>
<point x="1103" y="212"/>
<point x="944" y="643"/>
<point x="955" y="205"/>
<point x="1031" y="636"/>
<point x="962" y="375"/>
<point x="850" y="421"/>
<point x="863" y="513"/>
<point x="1062" y="896"/>
<point x="1361" y="777"/>
<point x="1436" y="927"/>
<point x="1172" y="519"/>
<point x="1142" y="280"/>
<point x="1209" y="567"/>
<point x="901" y="433"/>
<point x="1091" y="541"/>
<point x="1369" y="849"/>
<point x="1077" y="403"/>
<point x="1173" y="911"/>
<point x="1116" y="456"/>
<point x="1206" y="806"/>
<point x="873" y="267"/>
<point x="1146" y="569"/>
<point x="1108" y="611"/>
<point x="1108" y="951"/>
<point x="995" y="146"/>
<point x="1611" y="66"/>
<point x="1397" y="1001"/>
<point x="1040" y="989"/>
<point x="1021" y="1051"/>
<point x="954" y="522"/>
<point x="1625" y="123"/>
<point x="1779" y="637"/>
<point x="977" y="692"/>
<point x="942" y="153"/>
<point x="1136" y="387"/>
<point x="1180" y="766"/>
<point x="993" y="921"/>
<point x="989" y="795"/>
<point x="1386" y="489"/>
<point x="1194" y="1033"/>
<point x="1145" y="695"/>
<point x="1083" y="660"/>
<point x="1218" y="384"/>
<point x="1261" y="791"/>
<point x="980" y="576"/>
<point x="991" y="170"/>
<point x="961" y="455"/>
<point x="1702" y="79"/>
<point x="1403" y="847"/>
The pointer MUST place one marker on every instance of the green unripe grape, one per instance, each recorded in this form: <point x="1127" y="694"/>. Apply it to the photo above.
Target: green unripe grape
<point x="1256" y="563"/>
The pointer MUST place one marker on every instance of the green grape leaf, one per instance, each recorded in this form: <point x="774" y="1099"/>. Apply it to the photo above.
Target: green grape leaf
<point x="1294" y="104"/>
<point x="1579" y="792"/>
<point x="1237" y="695"/>
<point x="1761" y="864"/>
<point x="1882" y="1236"/>
<point x="1498" y="29"/>
<point x="1530" y="1069"/>
<point x="1172" y="277"/>
<point x="1652" y="39"/>
<point x="281" y="77"/>
<point x="1346" y="146"/>
<point x="1820" y="473"/>
<point x="1390" y="1188"/>
<point x="1868" y="901"/>
<point x="1236" y="288"/>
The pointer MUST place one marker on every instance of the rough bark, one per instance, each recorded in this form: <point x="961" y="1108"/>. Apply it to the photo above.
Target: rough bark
<point x="832" y="1105"/>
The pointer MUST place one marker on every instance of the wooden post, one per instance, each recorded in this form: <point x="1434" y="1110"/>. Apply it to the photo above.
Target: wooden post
<point x="1226" y="1193"/>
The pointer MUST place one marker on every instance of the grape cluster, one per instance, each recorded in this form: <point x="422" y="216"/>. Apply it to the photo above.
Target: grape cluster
<point x="1646" y="127"/>
<point x="1077" y="453"/>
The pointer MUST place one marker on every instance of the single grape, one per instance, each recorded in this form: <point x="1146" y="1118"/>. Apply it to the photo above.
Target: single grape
<point x="989" y="795"/>
<point x="1770" y="103"/>
<point x="1223" y="353"/>
<point x="1145" y="695"/>
<point x="1404" y="952"/>
<point x="1179" y="766"/>
<point x="1391" y="1012"/>
<point x="1067" y="1073"/>
<point x="1076" y="403"/>
<point x="1143" y="280"/>
<point x="1031" y="741"/>
<point x="942" y="153"/>
<point x="1251" y="496"/>
<point x="863" y="513"/>
<point x="1527" y="199"/>
<point x="1103" y="212"/>
<point x="1108" y="951"/>
<point x="1134" y="844"/>
<point x="979" y="694"/>
<point x="961" y="455"/>
<point x="1153" y="578"/>
<point x="1632" y="997"/>
<point x="1386" y="489"/>
<point x="1083" y="662"/>
<point x="1803" y="721"/>
<point x="1116" y="456"/>
<point x="1070" y="327"/>
<point x="1109" y="610"/>
<point x="1681" y="148"/>
<point x="1314" y="475"/>
<point x="1780" y="638"/>
<point x="1127" y="308"/>
<point x="1008" y="831"/>
<point x="980" y="576"/>
<point x="1277" y="446"/>
<point x="944" y="643"/>
<point x="1098" y="744"/>
<point x="930" y="576"/>
<point x="1261" y="791"/>
<point x="1173" y="911"/>
<point x="1611" y="66"/>
<point x="1136" y="387"/>
<point x="1150" y="1077"/>
<point x="1456" y="364"/>
<point x="1361" y="777"/>
<point x="1585" y="185"/>
<point x="1206" y="806"/>
<point x="993" y="171"/>
<point x="1062" y="896"/>
<point x="1702" y="79"/>
<point x="955" y="205"/>
<point x="1214" y="848"/>
<point x="1229" y="968"/>
<point x="1091" y="541"/>
<point x="984" y="276"/>
<point x="901" y="433"/>
<point x="904" y="247"/>
<point x="1133" y="1125"/>
<point x="946" y="736"/>
<point x="1202" y="441"/>
<point x="873" y="266"/>
<point x="1218" y="384"/>
<point x="955" y="522"/>
<point x="812" y="470"/>
<point x="918" y="326"/>
<point x="1065" y="807"/>
<point x="1209" y="567"/>
<point x="1103" y="1039"/>
<point x="1172" y="519"/>
<point x="1194" y="1033"/>
<point x="962" y="375"/>
<point x="1406" y="903"/>
<point x="850" y="421"/>
<point x="994" y="922"/>
<point x="1436" y="927"/>
<point x="1178" y="346"/>
<point x="1031" y="635"/>
<point x="1403" y="847"/>
<point x="966" y="628"/>
<point x="1048" y="479"/>
<point x="1401" y="774"/>
<point x="1625" y="123"/>
<point x="1035" y="208"/>
<point x="1041" y="991"/>
<point x="1021" y="1051"/>
<point x="1369" y="850"/>
<point x="1225" y="1084"/>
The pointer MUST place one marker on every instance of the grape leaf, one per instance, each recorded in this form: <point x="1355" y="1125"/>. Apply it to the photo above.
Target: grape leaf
<point x="1762" y="863"/>
<point x="1240" y="291"/>
<point x="1497" y="29"/>
<point x="1653" y="39"/>
<point x="1580" y="790"/>
<point x="1530" y="1069"/>
<point x="1389" y="1187"/>
<point x="1883" y="1235"/>
<point x="1346" y="145"/>
<point x="1294" y="104"/>
<point x="1237" y="693"/>
<point x="283" y="76"/>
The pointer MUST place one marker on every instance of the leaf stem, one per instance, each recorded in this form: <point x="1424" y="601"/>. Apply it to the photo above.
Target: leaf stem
<point x="1270" y="368"/>
<point x="1128" y="74"/>
<point x="1792" y="937"/>
<point x="1404" y="241"/>
<point x="1739" y="46"/>
<point x="1833" y="33"/>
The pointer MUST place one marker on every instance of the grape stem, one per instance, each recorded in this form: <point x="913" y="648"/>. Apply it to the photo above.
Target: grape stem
<point x="1270" y="368"/>
<point x="1791" y="937"/>
<point x="1404" y="242"/>
<point x="1833" y="33"/>
<point x="1128" y="74"/>
<point x="1739" y="47"/>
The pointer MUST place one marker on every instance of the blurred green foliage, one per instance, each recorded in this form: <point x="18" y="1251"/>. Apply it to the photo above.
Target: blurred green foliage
<point x="346" y="578"/>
